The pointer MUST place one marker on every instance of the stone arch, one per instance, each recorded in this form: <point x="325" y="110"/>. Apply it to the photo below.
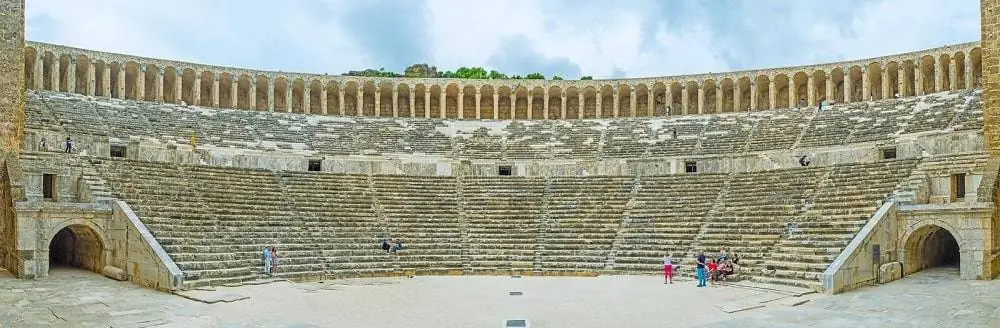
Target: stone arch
<point x="892" y="80"/>
<point x="555" y="102"/>
<point x="691" y="91"/>
<point x="660" y="101"/>
<point x="782" y="87"/>
<point x="572" y="103"/>
<point x="333" y="105"/>
<point x="451" y="100"/>
<point x="944" y="72"/>
<point x="505" y="112"/>
<point x="30" y="60"/>
<point x="855" y="79"/>
<point x="64" y="61"/>
<point x="728" y="95"/>
<point x="606" y="109"/>
<point x="48" y="63"/>
<point x="521" y="103"/>
<point x="116" y="83"/>
<point x="260" y="98"/>
<point x="420" y="105"/>
<point x="837" y="79"/>
<point x="874" y="72"/>
<point x="298" y="96"/>
<point x="132" y="76"/>
<point x="799" y="90"/>
<point x="82" y="79"/>
<point x="976" y="67"/>
<point x="537" y="103"/>
<point x="280" y="89"/>
<point x="960" y="68"/>
<point x="403" y="100"/>
<point x="930" y="244"/>
<point x="169" y="80"/>
<point x="744" y="94"/>
<point x="351" y="96"/>
<point x="149" y="79"/>
<point x="486" y="101"/>
<point x="908" y="86"/>
<point x="226" y="90"/>
<point x="384" y="99"/>
<point x="927" y="74"/>
<point x="762" y="84"/>
<point x="436" y="106"/>
<point x="243" y="95"/>
<point x="316" y="97"/>
<point x="469" y="101"/>
<point x="187" y="86"/>
<point x="590" y="102"/>
<point x="205" y="95"/>
<point x="710" y="97"/>
<point x="676" y="102"/>
<point x="99" y="77"/>
<point x="77" y="243"/>
<point x="642" y="101"/>
<point x="624" y="92"/>
<point x="818" y="88"/>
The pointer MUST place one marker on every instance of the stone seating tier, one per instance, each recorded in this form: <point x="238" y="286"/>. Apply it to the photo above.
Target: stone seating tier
<point x="729" y="133"/>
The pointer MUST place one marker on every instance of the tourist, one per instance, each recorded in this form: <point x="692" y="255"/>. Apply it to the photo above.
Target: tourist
<point x="385" y="245"/>
<point x="42" y="146"/>
<point x="726" y="269"/>
<point x="700" y="269"/>
<point x="267" y="260"/>
<point x="736" y="259"/>
<point x="398" y="246"/>
<point x="674" y="132"/>
<point x="723" y="255"/>
<point x="69" y="145"/>
<point x="668" y="270"/>
<point x="804" y="160"/>
<point x="274" y="260"/>
<point x="713" y="271"/>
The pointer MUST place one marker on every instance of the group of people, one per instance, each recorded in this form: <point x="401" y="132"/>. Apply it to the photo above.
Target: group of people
<point x="717" y="269"/>
<point x="43" y="145"/>
<point x="270" y="258"/>
<point x="391" y="247"/>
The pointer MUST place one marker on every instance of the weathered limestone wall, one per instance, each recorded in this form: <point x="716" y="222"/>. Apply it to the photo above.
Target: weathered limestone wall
<point x="138" y="253"/>
<point x="856" y="265"/>
<point x="971" y="224"/>
<point x="11" y="74"/>
<point x="11" y="191"/>
<point x="990" y="28"/>
<point x="38" y="223"/>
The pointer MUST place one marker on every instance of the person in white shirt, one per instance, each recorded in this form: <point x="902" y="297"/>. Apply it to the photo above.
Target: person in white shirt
<point x="668" y="269"/>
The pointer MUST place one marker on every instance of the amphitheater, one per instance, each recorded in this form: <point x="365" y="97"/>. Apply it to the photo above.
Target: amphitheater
<point x="182" y="173"/>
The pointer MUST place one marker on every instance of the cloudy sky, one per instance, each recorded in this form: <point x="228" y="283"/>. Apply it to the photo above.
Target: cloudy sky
<point x="570" y="38"/>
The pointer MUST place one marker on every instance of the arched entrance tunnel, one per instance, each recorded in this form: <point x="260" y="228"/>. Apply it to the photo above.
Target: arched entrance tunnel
<point x="76" y="246"/>
<point x="931" y="246"/>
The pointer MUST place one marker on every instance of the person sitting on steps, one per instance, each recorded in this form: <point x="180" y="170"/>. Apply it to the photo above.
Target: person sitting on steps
<point x="398" y="246"/>
<point x="385" y="245"/>
<point x="804" y="160"/>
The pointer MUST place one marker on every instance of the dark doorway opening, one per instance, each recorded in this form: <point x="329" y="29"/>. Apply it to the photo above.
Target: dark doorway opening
<point x="315" y="165"/>
<point x="504" y="170"/>
<point x="76" y="246"/>
<point x="49" y="186"/>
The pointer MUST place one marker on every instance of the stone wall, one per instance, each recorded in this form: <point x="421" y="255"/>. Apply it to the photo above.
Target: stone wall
<point x="856" y="266"/>
<point x="11" y="74"/>
<point x="38" y="223"/>
<point x="138" y="252"/>
<point x="9" y="258"/>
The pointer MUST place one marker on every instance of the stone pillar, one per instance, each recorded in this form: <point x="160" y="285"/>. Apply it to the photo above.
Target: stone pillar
<point x="252" y="98"/>
<point x="323" y="100"/>
<point x="413" y="103"/>
<point x="530" y="101"/>
<point x="121" y="84"/>
<point x="513" y="105"/>
<point x="701" y="100"/>
<point x="196" y="91"/>
<point x="71" y="76"/>
<point x="990" y="36"/>
<point x="54" y="74"/>
<point x="140" y="84"/>
<point x="562" y="107"/>
<point x="632" y="102"/>
<point x="11" y="81"/>
<point x="270" y="95"/>
<point x="719" y="97"/>
<point x="479" y="109"/>
<point x="737" y="94"/>
<point x="650" y="103"/>
<point x="901" y="81"/>
<point x="234" y="94"/>
<point x="579" y="105"/>
<point x="753" y="97"/>
<point x="91" y="79"/>
<point x="865" y="87"/>
<point x="340" y="102"/>
<point x="968" y="72"/>
<point x="772" y="96"/>
<point x="215" y="91"/>
<point x="597" y="110"/>
<point x="918" y="82"/>
<point x="461" y="103"/>
<point x="829" y="88"/>
<point x="288" y="96"/>
<point x="39" y="72"/>
<point x="306" y="98"/>
<point x="848" y="87"/>
<point x="443" y="103"/>
<point x="886" y="89"/>
<point x="615" y="104"/>
<point x="158" y="85"/>
<point x="360" y="101"/>
<point x="938" y="76"/>
<point x="395" y="102"/>
<point x="427" y="104"/>
<point x="378" y="102"/>
<point x="178" y="80"/>
<point x="670" y="98"/>
<point x="952" y="74"/>
<point x="685" y="100"/>
<point x="811" y="91"/>
<point x="545" y="105"/>
<point x="793" y="94"/>
<point x="496" y="104"/>
<point x="106" y="81"/>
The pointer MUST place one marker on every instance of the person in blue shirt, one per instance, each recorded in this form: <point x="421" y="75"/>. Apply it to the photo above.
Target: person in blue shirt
<point x="267" y="260"/>
<point x="701" y="270"/>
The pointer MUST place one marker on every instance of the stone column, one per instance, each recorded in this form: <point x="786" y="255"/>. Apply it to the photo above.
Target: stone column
<point x="39" y="72"/>
<point x="918" y="82"/>
<point x="196" y="91"/>
<point x="215" y="91"/>
<point x="479" y="109"/>
<point x="12" y="100"/>
<point x="360" y="101"/>
<point x="545" y="105"/>
<point x="323" y="100"/>
<point x="829" y="88"/>
<point x="952" y="74"/>
<point x="270" y="95"/>
<point x="71" y="76"/>
<point x="848" y="87"/>
<point x="395" y="102"/>
<point x="886" y="89"/>
<point x="737" y="94"/>
<point x="901" y="81"/>
<point x="562" y="107"/>
<point x="772" y="96"/>
<point x="753" y="96"/>
<point x="427" y="104"/>
<point x="865" y="87"/>
<point x="496" y="104"/>
<point x="938" y="76"/>
<point x="288" y="96"/>
<point x="158" y="85"/>
<point x="615" y="104"/>
<point x="650" y="103"/>
<point x="793" y="95"/>
<point x="413" y="103"/>
<point x="106" y="81"/>
<point x="597" y="100"/>
<point x="811" y="91"/>
<point x="968" y="72"/>
<point x="685" y="100"/>
<point x="443" y="103"/>
<point x="701" y="100"/>
<point x="178" y="96"/>
<point x="513" y="105"/>
<point x="54" y="74"/>
<point x="461" y="103"/>
<point x="140" y="84"/>
<point x="91" y="79"/>
<point x="670" y="98"/>
<point x="530" y="101"/>
<point x="378" y="102"/>
<point x="340" y="102"/>
<point x="234" y="94"/>
<point x="306" y="98"/>
<point x="633" y="98"/>
<point x="579" y="105"/>
<point x="121" y="84"/>
<point x="719" y="97"/>
<point x="252" y="98"/>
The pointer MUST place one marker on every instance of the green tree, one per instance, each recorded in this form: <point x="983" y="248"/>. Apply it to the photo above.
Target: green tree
<point x="535" y="76"/>
<point x="494" y="75"/>
<point x="471" y="73"/>
<point x="421" y="70"/>
<point x="588" y="77"/>
<point x="556" y="78"/>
